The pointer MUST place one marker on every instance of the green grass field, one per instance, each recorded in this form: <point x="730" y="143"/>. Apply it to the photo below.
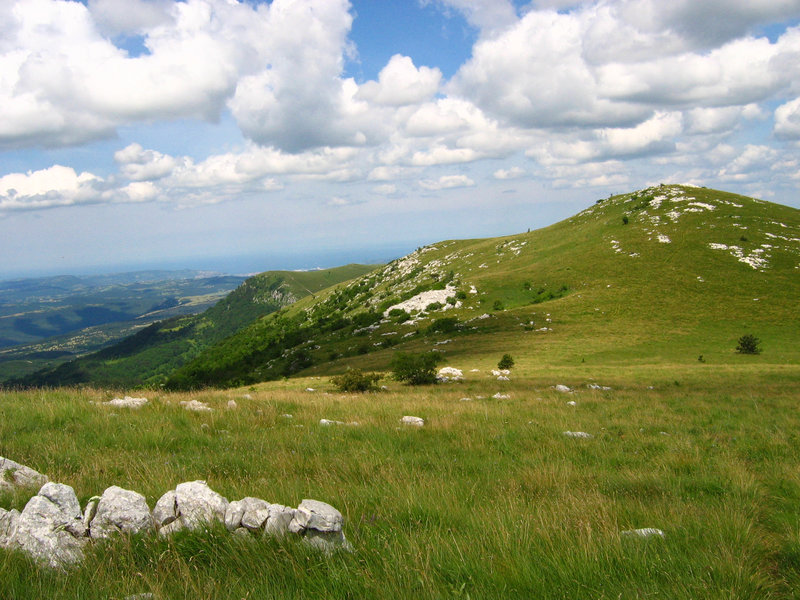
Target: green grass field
<point x="489" y="500"/>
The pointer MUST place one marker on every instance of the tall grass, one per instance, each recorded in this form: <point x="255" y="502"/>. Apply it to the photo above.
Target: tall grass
<point x="488" y="500"/>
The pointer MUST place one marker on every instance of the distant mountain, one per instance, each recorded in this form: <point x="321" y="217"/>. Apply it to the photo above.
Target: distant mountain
<point x="147" y="357"/>
<point x="669" y="273"/>
<point x="32" y="310"/>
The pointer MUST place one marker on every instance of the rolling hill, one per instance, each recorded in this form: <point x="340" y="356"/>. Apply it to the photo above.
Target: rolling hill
<point x="148" y="356"/>
<point x="666" y="274"/>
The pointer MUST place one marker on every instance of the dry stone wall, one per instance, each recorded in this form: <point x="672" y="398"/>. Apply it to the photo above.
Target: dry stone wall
<point x="54" y="531"/>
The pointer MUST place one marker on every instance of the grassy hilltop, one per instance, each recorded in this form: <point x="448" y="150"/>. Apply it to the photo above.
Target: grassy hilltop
<point x="666" y="274"/>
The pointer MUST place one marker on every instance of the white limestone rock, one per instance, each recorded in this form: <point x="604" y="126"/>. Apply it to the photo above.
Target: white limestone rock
<point x="645" y="532"/>
<point x="195" y="406"/>
<point x="562" y="388"/>
<point x="13" y="474"/>
<point x="313" y="514"/>
<point x="255" y="513"/>
<point x="172" y="527"/>
<point x="233" y="515"/>
<point x="50" y="528"/>
<point x="280" y="518"/>
<point x="91" y="510"/>
<point x="63" y="496"/>
<point x="166" y="509"/>
<point x="120" y="511"/>
<point x="578" y="434"/>
<point x="127" y="402"/>
<point x="198" y="504"/>
<point x="8" y="525"/>
<point x="320" y="524"/>
<point x="412" y="421"/>
<point x="327" y="543"/>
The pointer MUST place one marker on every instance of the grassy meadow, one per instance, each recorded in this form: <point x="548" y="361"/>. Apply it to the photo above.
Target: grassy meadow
<point x="489" y="500"/>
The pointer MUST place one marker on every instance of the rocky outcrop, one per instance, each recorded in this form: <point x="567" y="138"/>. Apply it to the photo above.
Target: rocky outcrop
<point x="53" y="530"/>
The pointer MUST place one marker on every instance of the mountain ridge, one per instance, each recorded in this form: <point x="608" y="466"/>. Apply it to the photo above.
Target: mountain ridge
<point x="665" y="273"/>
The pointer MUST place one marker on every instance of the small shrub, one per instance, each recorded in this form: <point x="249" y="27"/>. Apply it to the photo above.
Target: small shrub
<point x="461" y="295"/>
<point x="415" y="369"/>
<point x="625" y="220"/>
<point x="434" y="306"/>
<point x="498" y="305"/>
<point x="748" y="344"/>
<point x="354" y="380"/>
<point x="444" y="325"/>
<point x="506" y="362"/>
<point x="402" y="318"/>
<point x="397" y="312"/>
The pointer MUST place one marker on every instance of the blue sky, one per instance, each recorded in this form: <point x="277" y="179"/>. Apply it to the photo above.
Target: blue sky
<point x="246" y="136"/>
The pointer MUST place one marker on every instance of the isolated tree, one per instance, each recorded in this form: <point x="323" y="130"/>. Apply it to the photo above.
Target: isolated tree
<point x="506" y="362"/>
<point x="415" y="369"/>
<point x="748" y="344"/>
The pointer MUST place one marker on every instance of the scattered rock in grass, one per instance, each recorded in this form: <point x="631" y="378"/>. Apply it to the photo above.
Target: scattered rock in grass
<point x="143" y="596"/>
<point x="572" y="403"/>
<point x="578" y="434"/>
<point x="503" y="378"/>
<point x="287" y="416"/>
<point x="232" y="405"/>
<point x="127" y="401"/>
<point x="247" y="396"/>
<point x="595" y="386"/>
<point x="562" y="388"/>
<point x="310" y="389"/>
<point x="412" y="421"/>
<point x="465" y="400"/>
<point x="500" y="372"/>
<point x="13" y="474"/>
<point x="327" y="422"/>
<point x="644" y="533"/>
<point x="450" y="374"/>
<point x="195" y="406"/>
<point x="499" y="396"/>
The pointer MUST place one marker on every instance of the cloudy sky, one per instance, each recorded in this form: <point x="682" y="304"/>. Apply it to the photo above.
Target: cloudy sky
<point x="245" y="135"/>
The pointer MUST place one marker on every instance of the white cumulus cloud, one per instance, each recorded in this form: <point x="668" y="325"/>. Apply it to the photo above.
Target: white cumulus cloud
<point x="446" y="182"/>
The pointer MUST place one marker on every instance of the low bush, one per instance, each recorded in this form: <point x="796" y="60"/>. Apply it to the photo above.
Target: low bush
<point x="748" y="344"/>
<point x="415" y="369"/>
<point x="355" y="380"/>
<point x="444" y="325"/>
<point x="506" y="362"/>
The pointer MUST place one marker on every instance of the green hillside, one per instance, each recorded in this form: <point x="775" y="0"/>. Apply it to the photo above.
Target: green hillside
<point x="669" y="274"/>
<point x="148" y="356"/>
